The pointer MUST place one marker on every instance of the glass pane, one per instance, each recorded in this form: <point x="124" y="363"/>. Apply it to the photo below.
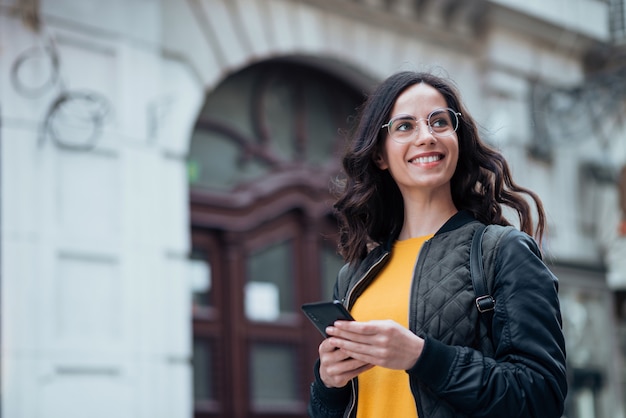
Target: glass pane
<point x="269" y="287"/>
<point x="268" y="114"/>
<point x="216" y="162"/>
<point x="331" y="264"/>
<point x="230" y="102"/>
<point x="199" y="272"/>
<point x="278" y="114"/>
<point x="322" y="131"/>
<point x="203" y="388"/>
<point x="274" y="378"/>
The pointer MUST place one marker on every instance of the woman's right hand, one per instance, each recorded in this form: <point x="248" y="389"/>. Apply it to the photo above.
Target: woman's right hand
<point x="336" y="368"/>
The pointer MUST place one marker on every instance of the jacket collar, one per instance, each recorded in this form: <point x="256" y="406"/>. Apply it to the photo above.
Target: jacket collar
<point x="457" y="220"/>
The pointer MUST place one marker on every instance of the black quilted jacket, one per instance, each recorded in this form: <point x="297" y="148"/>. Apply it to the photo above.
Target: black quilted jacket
<point x="518" y="371"/>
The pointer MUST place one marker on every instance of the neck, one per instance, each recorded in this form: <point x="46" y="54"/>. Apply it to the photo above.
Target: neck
<point x="425" y="218"/>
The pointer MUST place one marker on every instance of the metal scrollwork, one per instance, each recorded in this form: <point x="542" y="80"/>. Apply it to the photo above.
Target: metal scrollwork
<point x="45" y="56"/>
<point x="75" y="118"/>
<point x="595" y="109"/>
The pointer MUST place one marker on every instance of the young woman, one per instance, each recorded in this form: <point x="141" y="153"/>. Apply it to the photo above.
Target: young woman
<point x="419" y="182"/>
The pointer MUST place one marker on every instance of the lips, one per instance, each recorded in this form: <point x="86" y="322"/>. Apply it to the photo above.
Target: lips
<point x="425" y="159"/>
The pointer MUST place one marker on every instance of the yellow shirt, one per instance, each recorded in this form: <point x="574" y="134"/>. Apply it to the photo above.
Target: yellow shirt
<point x="385" y="392"/>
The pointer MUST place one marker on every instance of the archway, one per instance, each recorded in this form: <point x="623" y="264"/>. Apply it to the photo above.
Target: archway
<point x="265" y="150"/>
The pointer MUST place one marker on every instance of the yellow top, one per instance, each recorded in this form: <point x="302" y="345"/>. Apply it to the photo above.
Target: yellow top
<point x="386" y="392"/>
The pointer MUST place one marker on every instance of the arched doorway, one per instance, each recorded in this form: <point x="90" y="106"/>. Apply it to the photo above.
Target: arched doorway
<point x="265" y="149"/>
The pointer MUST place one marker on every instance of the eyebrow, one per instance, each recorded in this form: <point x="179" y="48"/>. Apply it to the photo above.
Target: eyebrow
<point x="406" y="115"/>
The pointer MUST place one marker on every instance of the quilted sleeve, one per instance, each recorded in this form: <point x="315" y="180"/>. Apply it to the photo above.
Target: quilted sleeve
<point x="327" y="402"/>
<point x="526" y="376"/>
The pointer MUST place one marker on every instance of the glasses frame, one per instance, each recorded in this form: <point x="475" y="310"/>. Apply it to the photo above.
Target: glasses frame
<point x="427" y="119"/>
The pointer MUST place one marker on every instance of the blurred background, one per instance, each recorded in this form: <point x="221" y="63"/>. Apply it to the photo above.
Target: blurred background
<point x="166" y="165"/>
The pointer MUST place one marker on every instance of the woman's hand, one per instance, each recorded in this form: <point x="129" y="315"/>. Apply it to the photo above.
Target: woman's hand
<point x="336" y="367"/>
<point x="380" y="343"/>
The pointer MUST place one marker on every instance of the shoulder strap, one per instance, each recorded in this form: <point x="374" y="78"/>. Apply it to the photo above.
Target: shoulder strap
<point x="484" y="301"/>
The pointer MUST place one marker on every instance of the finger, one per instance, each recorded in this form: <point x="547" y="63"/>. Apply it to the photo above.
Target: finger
<point x="354" y="349"/>
<point x="352" y="334"/>
<point x="326" y="346"/>
<point x="346" y="365"/>
<point x="369" y="327"/>
<point x="339" y="374"/>
<point x="363" y="357"/>
<point x="400" y="352"/>
<point x="333" y="357"/>
<point x="361" y="331"/>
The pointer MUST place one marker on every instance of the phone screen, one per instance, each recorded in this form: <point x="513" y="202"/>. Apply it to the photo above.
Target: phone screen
<point x="324" y="314"/>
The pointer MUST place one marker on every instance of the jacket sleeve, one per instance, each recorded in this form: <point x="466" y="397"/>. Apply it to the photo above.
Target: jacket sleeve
<point x="323" y="401"/>
<point x="327" y="402"/>
<point x="526" y="377"/>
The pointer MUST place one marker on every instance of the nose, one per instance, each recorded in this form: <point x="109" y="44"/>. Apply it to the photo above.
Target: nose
<point x="424" y="133"/>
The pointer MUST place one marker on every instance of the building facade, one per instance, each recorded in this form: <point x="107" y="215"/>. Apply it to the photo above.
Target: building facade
<point x="166" y="176"/>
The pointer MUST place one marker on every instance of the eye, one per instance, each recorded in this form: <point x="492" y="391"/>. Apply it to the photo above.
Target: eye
<point x="440" y="120"/>
<point x="403" y="125"/>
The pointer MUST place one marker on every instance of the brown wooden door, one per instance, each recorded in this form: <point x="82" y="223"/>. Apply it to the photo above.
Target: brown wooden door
<point x="253" y="349"/>
<point x="264" y="152"/>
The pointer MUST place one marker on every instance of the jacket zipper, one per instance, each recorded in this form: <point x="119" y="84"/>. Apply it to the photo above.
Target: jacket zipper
<point x="413" y="306"/>
<point x="346" y="303"/>
<point x="413" y="309"/>
<point x="346" y="300"/>
<point x="349" y="411"/>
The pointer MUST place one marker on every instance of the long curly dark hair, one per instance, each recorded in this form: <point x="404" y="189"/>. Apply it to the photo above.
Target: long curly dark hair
<point x="369" y="205"/>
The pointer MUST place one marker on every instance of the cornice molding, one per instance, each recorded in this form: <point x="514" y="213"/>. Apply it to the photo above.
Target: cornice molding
<point x="258" y="202"/>
<point x="560" y="37"/>
<point x="454" y="22"/>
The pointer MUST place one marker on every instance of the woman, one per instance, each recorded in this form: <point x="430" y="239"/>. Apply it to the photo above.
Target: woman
<point x="419" y="183"/>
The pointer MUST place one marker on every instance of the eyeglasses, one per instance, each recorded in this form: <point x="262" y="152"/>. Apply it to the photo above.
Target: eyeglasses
<point x="441" y="122"/>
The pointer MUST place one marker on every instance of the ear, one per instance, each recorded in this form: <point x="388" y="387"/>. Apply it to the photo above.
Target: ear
<point x="380" y="162"/>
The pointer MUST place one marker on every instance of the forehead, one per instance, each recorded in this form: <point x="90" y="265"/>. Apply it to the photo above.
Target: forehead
<point x="419" y="99"/>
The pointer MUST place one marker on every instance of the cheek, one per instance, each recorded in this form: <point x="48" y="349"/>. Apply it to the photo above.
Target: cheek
<point x="455" y="159"/>
<point x="455" y="152"/>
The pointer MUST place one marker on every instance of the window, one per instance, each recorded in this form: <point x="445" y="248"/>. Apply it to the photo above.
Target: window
<point x="266" y="118"/>
<point x="203" y="379"/>
<point x="269" y="287"/>
<point x="331" y="262"/>
<point x="617" y="21"/>
<point x="265" y="149"/>
<point x="274" y="381"/>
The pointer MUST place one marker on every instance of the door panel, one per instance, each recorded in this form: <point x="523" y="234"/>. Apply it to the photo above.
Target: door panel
<point x="253" y="349"/>
<point x="263" y="153"/>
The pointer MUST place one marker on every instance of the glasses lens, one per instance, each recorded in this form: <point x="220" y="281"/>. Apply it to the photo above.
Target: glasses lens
<point x="443" y="122"/>
<point x="402" y="128"/>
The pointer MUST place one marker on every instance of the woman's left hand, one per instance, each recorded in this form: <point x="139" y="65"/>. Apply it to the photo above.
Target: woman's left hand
<point x="382" y="343"/>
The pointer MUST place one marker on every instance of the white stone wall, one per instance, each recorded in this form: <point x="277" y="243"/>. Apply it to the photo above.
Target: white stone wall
<point x="587" y="17"/>
<point x="523" y="42"/>
<point x="95" y="298"/>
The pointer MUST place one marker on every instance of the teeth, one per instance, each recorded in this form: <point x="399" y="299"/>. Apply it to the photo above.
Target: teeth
<point x="424" y="160"/>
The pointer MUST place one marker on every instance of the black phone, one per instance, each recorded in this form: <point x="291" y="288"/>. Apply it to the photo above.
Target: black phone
<point x="324" y="314"/>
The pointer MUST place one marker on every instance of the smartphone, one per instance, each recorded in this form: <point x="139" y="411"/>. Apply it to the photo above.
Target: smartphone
<point x="324" y="314"/>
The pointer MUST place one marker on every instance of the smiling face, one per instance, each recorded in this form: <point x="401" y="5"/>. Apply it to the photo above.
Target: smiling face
<point x="424" y="165"/>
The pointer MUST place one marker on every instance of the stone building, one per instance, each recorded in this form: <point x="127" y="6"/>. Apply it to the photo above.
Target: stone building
<point x="165" y="173"/>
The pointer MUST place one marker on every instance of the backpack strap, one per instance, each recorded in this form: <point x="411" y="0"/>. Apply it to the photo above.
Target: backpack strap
<point x="484" y="301"/>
